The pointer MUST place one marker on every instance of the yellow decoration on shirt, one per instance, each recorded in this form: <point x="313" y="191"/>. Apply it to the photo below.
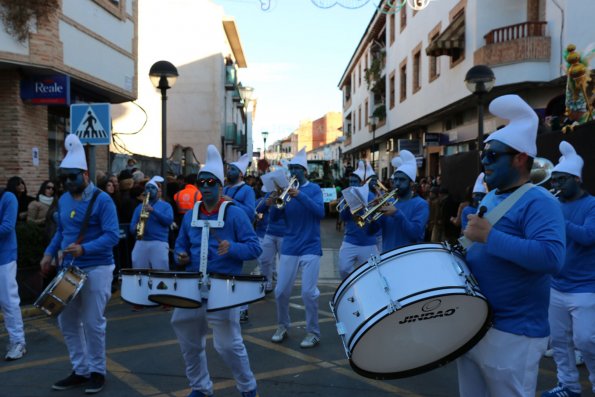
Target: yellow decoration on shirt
<point x="72" y="214"/>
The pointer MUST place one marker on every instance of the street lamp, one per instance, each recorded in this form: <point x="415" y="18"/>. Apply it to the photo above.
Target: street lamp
<point x="246" y="94"/>
<point x="265" y="134"/>
<point x="373" y="121"/>
<point x="479" y="80"/>
<point x="163" y="75"/>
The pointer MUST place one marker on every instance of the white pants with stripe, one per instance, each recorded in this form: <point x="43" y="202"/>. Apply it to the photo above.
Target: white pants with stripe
<point x="501" y="364"/>
<point x="83" y="322"/>
<point x="572" y="323"/>
<point x="271" y="247"/>
<point x="190" y="326"/>
<point x="150" y="255"/>
<point x="286" y="274"/>
<point x="10" y="303"/>
<point x="352" y="256"/>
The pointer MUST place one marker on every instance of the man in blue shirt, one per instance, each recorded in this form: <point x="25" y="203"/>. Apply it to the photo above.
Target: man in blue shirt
<point x="572" y="296"/>
<point x="228" y="246"/>
<point x="512" y="260"/>
<point x="301" y="248"/>
<point x="82" y="321"/>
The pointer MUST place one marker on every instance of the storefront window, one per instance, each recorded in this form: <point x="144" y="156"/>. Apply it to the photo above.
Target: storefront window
<point x="57" y="129"/>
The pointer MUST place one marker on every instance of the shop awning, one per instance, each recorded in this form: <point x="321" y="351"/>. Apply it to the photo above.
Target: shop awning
<point x="451" y="41"/>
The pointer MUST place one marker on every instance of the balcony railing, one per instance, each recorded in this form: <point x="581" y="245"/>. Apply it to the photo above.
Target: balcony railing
<point x="514" y="32"/>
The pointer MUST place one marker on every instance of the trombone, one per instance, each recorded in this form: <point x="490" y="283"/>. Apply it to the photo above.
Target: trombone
<point x="284" y="197"/>
<point x="373" y="213"/>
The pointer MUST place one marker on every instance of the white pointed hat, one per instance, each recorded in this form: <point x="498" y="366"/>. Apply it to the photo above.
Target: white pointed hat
<point x="242" y="163"/>
<point x="521" y="131"/>
<point x="361" y="170"/>
<point x="75" y="153"/>
<point x="155" y="180"/>
<point x="300" y="159"/>
<point x="369" y="170"/>
<point x="396" y="162"/>
<point x="214" y="164"/>
<point x="479" y="187"/>
<point x="409" y="166"/>
<point x="570" y="162"/>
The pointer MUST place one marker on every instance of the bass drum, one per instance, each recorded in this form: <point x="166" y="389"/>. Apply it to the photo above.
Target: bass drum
<point x="408" y="311"/>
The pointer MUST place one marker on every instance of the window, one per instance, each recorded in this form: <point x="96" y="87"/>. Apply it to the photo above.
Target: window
<point x="115" y="7"/>
<point x="403" y="82"/>
<point x="359" y="77"/>
<point x="359" y="117"/>
<point x="433" y="64"/>
<point x="403" y="13"/>
<point x="416" y="71"/>
<point x="391" y="93"/>
<point x="366" y="116"/>
<point x="392" y="27"/>
<point x="353" y="79"/>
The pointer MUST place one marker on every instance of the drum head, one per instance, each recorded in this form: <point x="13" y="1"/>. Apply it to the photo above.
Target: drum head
<point x="419" y="337"/>
<point x="240" y="277"/>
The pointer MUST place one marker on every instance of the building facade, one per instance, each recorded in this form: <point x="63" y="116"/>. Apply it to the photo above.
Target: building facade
<point x="74" y="51"/>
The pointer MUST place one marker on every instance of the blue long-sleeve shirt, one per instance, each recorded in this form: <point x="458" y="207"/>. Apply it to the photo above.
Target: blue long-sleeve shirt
<point x="468" y="210"/>
<point x="354" y="234"/>
<point x="243" y="196"/>
<point x="406" y="226"/>
<point x="524" y="248"/>
<point x="302" y="216"/>
<point x="157" y="225"/>
<point x="261" y="225"/>
<point x="244" y="244"/>
<point x="102" y="232"/>
<point x="578" y="273"/>
<point x="8" y="235"/>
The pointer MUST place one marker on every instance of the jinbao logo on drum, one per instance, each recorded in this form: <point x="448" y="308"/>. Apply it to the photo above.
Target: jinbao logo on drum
<point x="428" y="312"/>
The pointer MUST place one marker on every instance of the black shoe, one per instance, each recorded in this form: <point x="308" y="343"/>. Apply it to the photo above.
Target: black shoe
<point x="73" y="380"/>
<point x="243" y="316"/>
<point x="96" y="383"/>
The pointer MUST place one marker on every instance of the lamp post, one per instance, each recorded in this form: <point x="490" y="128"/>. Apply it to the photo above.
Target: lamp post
<point x="163" y="75"/>
<point x="479" y="80"/>
<point x="246" y="94"/>
<point x="264" y="134"/>
<point x="373" y="121"/>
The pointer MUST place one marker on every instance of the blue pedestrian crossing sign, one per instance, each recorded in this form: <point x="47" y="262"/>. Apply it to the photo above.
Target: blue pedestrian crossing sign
<point x="91" y="122"/>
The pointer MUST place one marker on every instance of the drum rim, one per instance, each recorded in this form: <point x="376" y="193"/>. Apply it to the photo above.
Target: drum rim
<point x="427" y="367"/>
<point x="239" y="277"/>
<point x="349" y="280"/>
<point x="235" y="305"/>
<point x="168" y="274"/>
<point x="139" y="304"/>
<point x="198" y="303"/>
<point x="134" y="272"/>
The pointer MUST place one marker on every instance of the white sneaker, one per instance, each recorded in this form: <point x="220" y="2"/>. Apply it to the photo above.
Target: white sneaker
<point x="15" y="352"/>
<point x="268" y="287"/>
<point x="309" y="341"/>
<point x="578" y="356"/>
<point x="279" y="335"/>
<point x="549" y="353"/>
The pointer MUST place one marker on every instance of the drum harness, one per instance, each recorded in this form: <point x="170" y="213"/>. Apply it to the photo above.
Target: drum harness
<point x="206" y="225"/>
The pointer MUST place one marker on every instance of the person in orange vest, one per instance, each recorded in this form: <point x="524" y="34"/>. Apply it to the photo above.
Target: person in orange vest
<point x="186" y="197"/>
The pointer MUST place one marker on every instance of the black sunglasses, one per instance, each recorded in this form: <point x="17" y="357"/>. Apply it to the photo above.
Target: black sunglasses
<point x="72" y="176"/>
<point x="492" y="156"/>
<point x="209" y="182"/>
<point x="49" y="187"/>
<point x="560" y="180"/>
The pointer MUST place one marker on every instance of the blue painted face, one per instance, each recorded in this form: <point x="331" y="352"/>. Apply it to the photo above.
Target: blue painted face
<point x="476" y="199"/>
<point x="568" y="185"/>
<point x="299" y="172"/>
<point x="233" y="174"/>
<point x="354" y="181"/>
<point x="73" y="179"/>
<point x="152" y="191"/>
<point x="496" y="159"/>
<point x="402" y="182"/>
<point x="373" y="182"/>
<point x="209" y="187"/>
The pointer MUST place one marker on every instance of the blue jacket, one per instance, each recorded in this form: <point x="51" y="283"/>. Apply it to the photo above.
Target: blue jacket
<point x="157" y="226"/>
<point x="8" y="235"/>
<point x="243" y="196"/>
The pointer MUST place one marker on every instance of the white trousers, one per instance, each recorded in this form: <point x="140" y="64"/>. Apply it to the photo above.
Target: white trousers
<point x="83" y="322"/>
<point x="190" y="326"/>
<point x="501" y="364"/>
<point x="271" y="247"/>
<point x="352" y="256"/>
<point x="286" y="274"/>
<point x="572" y="321"/>
<point x="150" y="255"/>
<point x="379" y="243"/>
<point x="10" y="303"/>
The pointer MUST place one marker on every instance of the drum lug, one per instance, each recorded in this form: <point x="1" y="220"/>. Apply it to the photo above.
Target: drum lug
<point x="351" y="299"/>
<point x="233" y="285"/>
<point x="356" y="313"/>
<point x="150" y="284"/>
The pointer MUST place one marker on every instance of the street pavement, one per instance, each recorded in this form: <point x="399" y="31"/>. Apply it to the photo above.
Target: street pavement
<point x="144" y="359"/>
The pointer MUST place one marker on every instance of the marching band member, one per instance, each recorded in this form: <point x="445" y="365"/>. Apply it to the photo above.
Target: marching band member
<point x="477" y="194"/>
<point x="228" y="246"/>
<point x="82" y="321"/>
<point x="357" y="244"/>
<point x="403" y="222"/>
<point x="572" y="295"/>
<point x="242" y="195"/>
<point x="512" y="260"/>
<point x="301" y="249"/>
<point x="372" y="179"/>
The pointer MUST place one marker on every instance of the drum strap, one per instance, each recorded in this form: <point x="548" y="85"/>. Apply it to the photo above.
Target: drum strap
<point x="501" y="209"/>
<point x="87" y="216"/>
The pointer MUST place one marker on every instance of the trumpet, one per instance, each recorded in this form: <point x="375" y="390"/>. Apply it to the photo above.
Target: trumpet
<point x="284" y="197"/>
<point x="380" y="188"/>
<point x="372" y="213"/>
<point x="541" y="171"/>
<point x="342" y="204"/>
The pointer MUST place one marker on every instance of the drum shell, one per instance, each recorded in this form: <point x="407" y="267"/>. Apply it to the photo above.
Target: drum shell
<point x="135" y="287"/>
<point x="436" y="299"/>
<point x="177" y="289"/>
<point x="61" y="290"/>
<point x="227" y="290"/>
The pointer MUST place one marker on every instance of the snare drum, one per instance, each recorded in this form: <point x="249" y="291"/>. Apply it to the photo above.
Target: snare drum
<point x="408" y="311"/>
<point x="63" y="289"/>
<point x="227" y="290"/>
<point x="135" y="287"/>
<point x="177" y="289"/>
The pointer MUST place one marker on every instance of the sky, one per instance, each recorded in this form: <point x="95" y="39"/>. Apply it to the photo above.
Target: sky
<point x="296" y="54"/>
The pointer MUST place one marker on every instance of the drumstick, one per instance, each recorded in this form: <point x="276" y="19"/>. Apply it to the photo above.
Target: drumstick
<point x="482" y="210"/>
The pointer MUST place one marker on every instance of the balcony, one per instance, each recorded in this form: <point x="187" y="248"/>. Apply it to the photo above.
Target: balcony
<point x="521" y="42"/>
<point x="230" y="132"/>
